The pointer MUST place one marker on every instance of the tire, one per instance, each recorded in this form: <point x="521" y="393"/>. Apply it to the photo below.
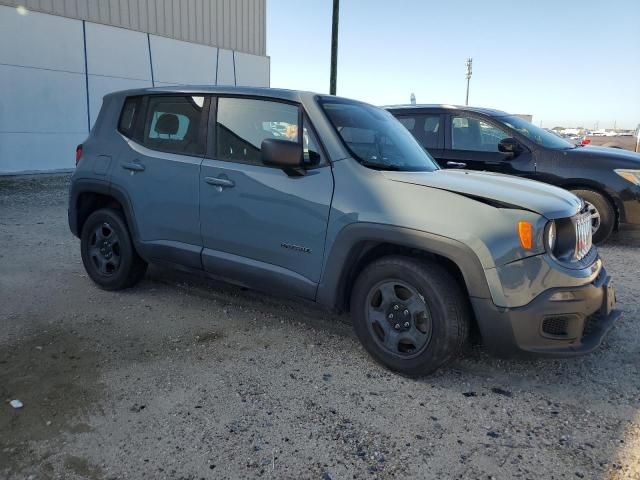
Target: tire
<point x="443" y="326"/>
<point x="107" y="251"/>
<point x="603" y="215"/>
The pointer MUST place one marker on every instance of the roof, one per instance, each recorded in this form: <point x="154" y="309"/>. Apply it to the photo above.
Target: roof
<point x="279" y="93"/>
<point x="464" y="108"/>
<point x="299" y="96"/>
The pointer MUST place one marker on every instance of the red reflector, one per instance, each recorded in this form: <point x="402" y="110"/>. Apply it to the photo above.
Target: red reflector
<point x="586" y="141"/>
<point x="78" y="154"/>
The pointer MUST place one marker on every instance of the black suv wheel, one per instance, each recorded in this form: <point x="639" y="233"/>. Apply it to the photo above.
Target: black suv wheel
<point x="603" y="217"/>
<point x="108" y="254"/>
<point x="410" y="315"/>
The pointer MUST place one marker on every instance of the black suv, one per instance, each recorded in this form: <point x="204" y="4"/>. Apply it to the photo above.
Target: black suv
<point x="608" y="179"/>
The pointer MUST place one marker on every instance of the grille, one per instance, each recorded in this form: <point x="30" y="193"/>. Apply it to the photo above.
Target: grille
<point x="583" y="235"/>
<point x="556" y="326"/>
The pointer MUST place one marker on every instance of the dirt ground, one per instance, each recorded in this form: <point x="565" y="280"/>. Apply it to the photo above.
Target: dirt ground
<point x="182" y="378"/>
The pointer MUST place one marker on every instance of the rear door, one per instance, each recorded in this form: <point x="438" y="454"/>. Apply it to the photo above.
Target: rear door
<point x="471" y="142"/>
<point x="260" y="226"/>
<point x="159" y="171"/>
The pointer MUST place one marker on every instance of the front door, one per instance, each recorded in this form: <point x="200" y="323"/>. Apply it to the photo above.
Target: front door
<point x="472" y="143"/>
<point x="260" y="226"/>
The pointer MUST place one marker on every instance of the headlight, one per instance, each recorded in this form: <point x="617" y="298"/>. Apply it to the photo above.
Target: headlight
<point x="631" y="175"/>
<point x="550" y="237"/>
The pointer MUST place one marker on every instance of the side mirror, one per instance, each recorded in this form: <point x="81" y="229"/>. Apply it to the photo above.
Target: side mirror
<point x="509" y="145"/>
<point x="283" y="154"/>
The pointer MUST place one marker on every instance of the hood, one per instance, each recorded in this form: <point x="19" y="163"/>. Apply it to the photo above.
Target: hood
<point x="547" y="200"/>
<point x="616" y="157"/>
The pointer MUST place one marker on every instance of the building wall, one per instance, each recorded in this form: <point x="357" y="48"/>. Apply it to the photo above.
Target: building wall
<point x="232" y="24"/>
<point x="54" y="72"/>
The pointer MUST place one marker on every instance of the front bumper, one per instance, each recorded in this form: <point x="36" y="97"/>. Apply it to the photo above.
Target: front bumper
<point x="631" y="210"/>
<point x="556" y="328"/>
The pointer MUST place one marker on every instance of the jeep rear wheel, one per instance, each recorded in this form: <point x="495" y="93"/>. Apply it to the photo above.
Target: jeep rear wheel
<point x="107" y="251"/>
<point x="410" y="315"/>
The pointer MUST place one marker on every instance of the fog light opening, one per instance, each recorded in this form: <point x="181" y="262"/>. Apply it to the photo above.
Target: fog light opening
<point x="562" y="297"/>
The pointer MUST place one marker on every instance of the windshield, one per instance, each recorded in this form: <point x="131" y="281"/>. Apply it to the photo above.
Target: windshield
<point x="375" y="138"/>
<point x="536" y="134"/>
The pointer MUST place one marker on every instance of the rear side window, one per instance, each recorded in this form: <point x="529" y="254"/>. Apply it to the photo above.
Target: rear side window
<point x="173" y="124"/>
<point x="242" y="124"/>
<point x="408" y="122"/>
<point x="126" y="124"/>
<point x="426" y="128"/>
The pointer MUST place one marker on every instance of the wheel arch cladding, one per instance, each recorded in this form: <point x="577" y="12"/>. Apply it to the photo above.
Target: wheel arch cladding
<point x="88" y="196"/>
<point x="357" y="245"/>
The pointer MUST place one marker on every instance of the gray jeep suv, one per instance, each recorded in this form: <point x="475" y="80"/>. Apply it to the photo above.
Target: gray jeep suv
<point x="333" y="201"/>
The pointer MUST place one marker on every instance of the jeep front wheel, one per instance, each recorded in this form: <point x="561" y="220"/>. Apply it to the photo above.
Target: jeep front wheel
<point x="410" y="315"/>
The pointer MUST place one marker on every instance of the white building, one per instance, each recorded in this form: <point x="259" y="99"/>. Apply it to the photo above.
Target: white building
<point x="58" y="58"/>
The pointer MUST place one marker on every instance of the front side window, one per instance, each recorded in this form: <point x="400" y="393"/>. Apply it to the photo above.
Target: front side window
<point x="173" y="124"/>
<point x="469" y="133"/>
<point x="242" y="124"/>
<point x="310" y="145"/>
<point x="375" y="138"/>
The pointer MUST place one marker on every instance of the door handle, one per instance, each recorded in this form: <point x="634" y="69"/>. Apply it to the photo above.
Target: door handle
<point x="219" y="182"/>
<point x="456" y="164"/>
<point x="133" y="166"/>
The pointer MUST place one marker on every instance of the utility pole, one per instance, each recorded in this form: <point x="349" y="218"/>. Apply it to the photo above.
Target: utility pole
<point x="334" y="48"/>
<point x="468" y="63"/>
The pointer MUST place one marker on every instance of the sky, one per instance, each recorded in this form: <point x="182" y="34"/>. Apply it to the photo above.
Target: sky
<point x="568" y="63"/>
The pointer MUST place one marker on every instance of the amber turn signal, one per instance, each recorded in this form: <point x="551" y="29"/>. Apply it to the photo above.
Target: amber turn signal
<point x="525" y="232"/>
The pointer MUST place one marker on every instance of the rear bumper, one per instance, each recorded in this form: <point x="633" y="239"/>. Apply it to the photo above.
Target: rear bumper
<point x="550" y="327"/>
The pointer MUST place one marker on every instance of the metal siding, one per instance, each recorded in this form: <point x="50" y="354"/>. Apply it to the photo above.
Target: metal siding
<point x="206" y="23"/>
<point x="232" y="24"/>
<point x="93" y="10"/>
<point x="219" y="24"/>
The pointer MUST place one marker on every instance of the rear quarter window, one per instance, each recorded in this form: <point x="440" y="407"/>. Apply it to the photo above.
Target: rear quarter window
<point x="128" y="115"/>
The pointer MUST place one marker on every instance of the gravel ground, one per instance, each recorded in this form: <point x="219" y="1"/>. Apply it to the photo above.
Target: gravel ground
<point x="181" y="378"/>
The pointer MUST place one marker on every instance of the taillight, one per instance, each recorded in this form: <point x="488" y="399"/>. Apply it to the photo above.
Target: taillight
<point x="585" y="141"/>
<point x="78" y="154"/>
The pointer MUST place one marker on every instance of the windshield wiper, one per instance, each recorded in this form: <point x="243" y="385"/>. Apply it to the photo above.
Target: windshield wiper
<point x="380" y="166"/>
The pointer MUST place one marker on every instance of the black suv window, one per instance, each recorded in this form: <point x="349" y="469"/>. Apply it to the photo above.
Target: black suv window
<point x="469" y="133"/>
<point x="173" y="124"/>
<point x="425" y="127"/>
<point x="242" y="124"/>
